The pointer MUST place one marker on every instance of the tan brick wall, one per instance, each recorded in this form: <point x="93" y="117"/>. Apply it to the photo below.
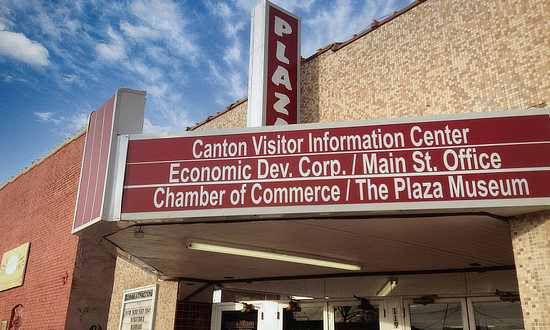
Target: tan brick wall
<point x="234" y="118"/>
<point x="440" y="57"/>
<point x="531" y="242"/>
<point x="129" y="276"/>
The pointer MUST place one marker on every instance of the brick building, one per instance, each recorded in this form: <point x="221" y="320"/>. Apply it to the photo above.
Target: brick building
<point x="432" y="58"/>
<point x="67" y="283"/>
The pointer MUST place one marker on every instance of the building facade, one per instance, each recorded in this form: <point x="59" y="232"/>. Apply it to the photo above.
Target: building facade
<point x="431" y="58"/>
<point x="67" y="281"/>
<point x="444" y="269"/>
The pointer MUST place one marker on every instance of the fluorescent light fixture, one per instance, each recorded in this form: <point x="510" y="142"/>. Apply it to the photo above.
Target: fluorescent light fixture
<point x="301" y="298"/>
<point x="388" y="287"/>
<point x="232" y="249"/>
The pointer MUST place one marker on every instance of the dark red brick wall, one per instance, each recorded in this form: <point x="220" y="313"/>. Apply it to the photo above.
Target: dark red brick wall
<point x="38" y="207"/>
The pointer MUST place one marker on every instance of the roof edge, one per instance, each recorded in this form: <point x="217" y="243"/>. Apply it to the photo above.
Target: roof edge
<point x="218" y="114"/>
<point x="334" y="46"/>
<point x="43" y="158"/>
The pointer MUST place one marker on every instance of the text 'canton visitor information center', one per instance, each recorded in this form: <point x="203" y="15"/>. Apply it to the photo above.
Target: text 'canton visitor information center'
<point x="368" y="166"/>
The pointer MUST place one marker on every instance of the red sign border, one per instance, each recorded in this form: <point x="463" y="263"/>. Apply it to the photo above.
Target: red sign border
<point x="503" y="207"/>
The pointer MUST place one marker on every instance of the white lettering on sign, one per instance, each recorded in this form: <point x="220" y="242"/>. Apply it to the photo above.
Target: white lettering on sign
<point x="280" y="145"/>
<point x="450" y="146"/>
<point x="179" y="173"/>
<point x="280" y="76"/>
<point x="329" y="167"/>
<point x="468" y="159"/>
<point x="218" y="150"/>
<point x="417" y="190"/>
<point x="439" y="137"/>
<point x="281" y="103"/>
<point x="165" y="197"/>
<point x="281" y="53"/>
<point x="459" y="187"/>
<point x="371" y="191"/>
<point x="375" y="139"/>
<point x="374" y="164"/>
<point x="405" y="163"/>
<point x="285" y="195"/>
<point x="282" y="27"/>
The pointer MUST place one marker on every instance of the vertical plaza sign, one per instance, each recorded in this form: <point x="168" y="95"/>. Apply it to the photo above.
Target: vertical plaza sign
<point x="464" y="162"/>
<point x="274" y="69"/>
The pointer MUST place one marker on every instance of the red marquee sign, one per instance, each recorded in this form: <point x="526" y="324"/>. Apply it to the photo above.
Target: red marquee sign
<point x="499" y="159"/>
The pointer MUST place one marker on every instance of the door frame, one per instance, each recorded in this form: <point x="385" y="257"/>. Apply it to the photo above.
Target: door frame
<point x="378" y="302"/>
<point x="460" y="300"/>
<point x="219" y="308"/>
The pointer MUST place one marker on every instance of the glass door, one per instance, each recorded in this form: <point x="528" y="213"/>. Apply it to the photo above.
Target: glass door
<point x="236" y="316"/>
<point x="439" y="314"/>
<point x="354" y="315"/>
<point x="476" y="313"/>
<point x="493" y="314"/>
<point x="351" y="315"/>
<point x="309" y="316"/>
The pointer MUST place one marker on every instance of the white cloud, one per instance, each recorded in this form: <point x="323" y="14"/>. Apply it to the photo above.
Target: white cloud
<point x="159" y="55"/>
<point x="9" y="78"/>
<point x="19" y="47"/>
<point x="72" y="79"/>
<point x="78" y="121"/>
<point x="222" y="9"/>
<point x="163" y="21"/>
<point x="246" y="4"/>
<point x="72" y="25"/>
<point x="238" y="85"/>
<point x="159" y="90"/>
<point x="231" y="75"/>
<point x="290" y="5"/>
<point x="43" y="116"/>
<point x="65" y="126"/>
<point x="232" y="29"/>
<point x="171" y="111"/>
<point x="139" y="31"/>
<point x="148" y="127"/>
<point x="329" y="25"/>
<point x="233" y="20"/>
<point x="147" y="72"/>
<point x="48" y="117"/>
<point x="233" y="54"/>
<point x="113" y="51"/>
<point x="234" y="83"/>
<point x="47" y="25"/>
<point x="110" y="52"/>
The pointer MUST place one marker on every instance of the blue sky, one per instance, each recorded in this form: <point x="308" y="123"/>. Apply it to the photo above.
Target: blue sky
<point x="60" y="60"/>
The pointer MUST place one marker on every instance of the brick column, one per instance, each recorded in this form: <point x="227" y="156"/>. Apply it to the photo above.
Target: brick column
<point x="531" y="244"/>
<point x="130" y="276"/>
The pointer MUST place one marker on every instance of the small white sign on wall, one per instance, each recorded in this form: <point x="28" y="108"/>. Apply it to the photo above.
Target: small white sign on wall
<point x="138" y="308"/>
